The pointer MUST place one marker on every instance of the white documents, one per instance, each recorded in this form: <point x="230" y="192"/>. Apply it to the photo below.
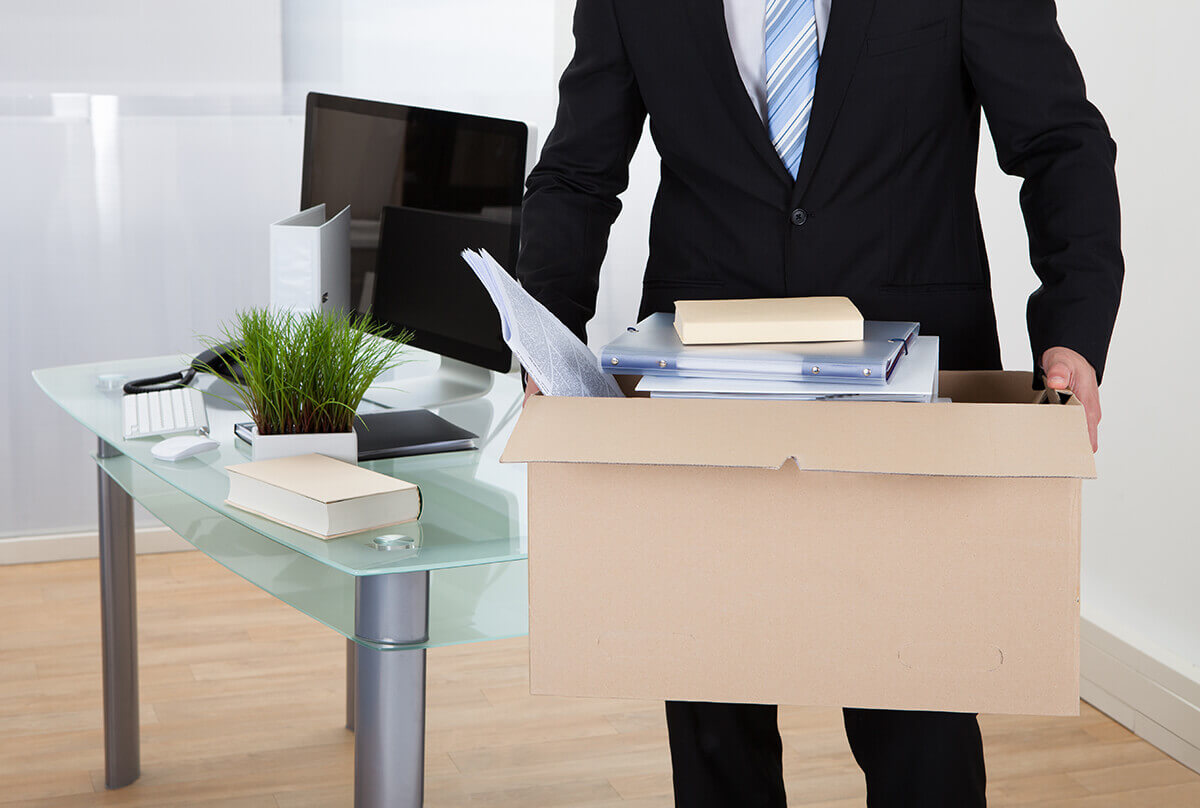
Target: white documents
<point x="915" y="379"/>
<point x="553" y="356"/>
<point x="653" y="348"/>
<point x="310" y="261"/>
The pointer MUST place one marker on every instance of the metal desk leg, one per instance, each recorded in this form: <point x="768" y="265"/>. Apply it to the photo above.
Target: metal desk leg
<point x="389" y="716"/>
<point x="350" y="646"/>
<point x="118" y="629"/>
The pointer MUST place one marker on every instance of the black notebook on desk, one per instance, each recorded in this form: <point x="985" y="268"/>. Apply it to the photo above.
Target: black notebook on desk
<point x="398" y="433"/>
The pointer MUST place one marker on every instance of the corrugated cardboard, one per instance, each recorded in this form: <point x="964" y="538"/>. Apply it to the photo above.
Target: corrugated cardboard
<point x="909" y="556"/>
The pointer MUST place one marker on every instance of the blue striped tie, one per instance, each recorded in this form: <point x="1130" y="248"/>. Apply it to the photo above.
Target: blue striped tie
<point x="790" y="31"/>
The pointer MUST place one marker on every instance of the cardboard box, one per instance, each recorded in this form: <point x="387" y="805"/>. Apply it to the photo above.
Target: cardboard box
<point x="910" y="556"/>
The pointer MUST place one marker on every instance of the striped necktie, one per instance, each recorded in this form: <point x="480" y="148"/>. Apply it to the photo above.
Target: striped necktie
<point x="790" y="30"/>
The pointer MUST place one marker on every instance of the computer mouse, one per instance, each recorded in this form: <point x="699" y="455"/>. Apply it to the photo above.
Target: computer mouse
<point x="182" y="446"/>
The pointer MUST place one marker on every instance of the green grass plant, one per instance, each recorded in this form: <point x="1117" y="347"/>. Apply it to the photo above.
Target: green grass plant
<point x="307" y="372"/>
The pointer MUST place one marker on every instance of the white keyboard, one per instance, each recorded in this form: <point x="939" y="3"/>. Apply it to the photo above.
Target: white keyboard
<point x="164" y="412"/>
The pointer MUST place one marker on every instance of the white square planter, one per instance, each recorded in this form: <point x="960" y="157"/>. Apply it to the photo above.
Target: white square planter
<point x="338" y="445"/>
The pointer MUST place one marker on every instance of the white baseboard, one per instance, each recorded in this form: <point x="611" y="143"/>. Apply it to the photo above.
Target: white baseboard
<point x="1152" y="694"/>
<point x="68" y="546"/>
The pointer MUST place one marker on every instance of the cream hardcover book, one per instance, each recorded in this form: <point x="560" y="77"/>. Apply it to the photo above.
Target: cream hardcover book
<point x="321" y="496"/>
<point x="762" y="320"/>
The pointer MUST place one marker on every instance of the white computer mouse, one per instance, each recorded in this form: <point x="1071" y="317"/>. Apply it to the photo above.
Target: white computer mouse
<point x="182" y="446"/>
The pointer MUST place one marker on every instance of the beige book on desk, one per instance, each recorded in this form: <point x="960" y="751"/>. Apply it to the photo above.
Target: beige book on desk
<point x="321" y="496"/>
<point x="764" y="320"/>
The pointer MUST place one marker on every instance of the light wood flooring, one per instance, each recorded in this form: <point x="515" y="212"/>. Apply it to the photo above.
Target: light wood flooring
<point x="243" y="705"/>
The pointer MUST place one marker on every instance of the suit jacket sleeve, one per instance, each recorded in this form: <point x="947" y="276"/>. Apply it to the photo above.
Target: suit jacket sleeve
<point x="571" y="198"/>
<point x="1048" y="133"/>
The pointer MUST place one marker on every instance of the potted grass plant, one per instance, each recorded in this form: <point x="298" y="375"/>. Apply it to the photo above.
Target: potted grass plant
<point x="304" y="375"/>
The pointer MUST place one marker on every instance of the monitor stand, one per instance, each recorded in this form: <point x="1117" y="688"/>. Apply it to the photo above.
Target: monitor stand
<point x="429" y="380"/>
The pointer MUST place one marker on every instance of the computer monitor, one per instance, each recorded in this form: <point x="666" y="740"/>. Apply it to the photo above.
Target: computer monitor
<point x="422" y="185"/>
<point x="423" y="285"/>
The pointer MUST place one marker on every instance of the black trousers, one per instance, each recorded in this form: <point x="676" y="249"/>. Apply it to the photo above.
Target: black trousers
<point x="731" y="756"/>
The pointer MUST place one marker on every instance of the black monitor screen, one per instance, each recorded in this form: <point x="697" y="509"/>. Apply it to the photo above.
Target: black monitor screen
<point x="389" y="158"/>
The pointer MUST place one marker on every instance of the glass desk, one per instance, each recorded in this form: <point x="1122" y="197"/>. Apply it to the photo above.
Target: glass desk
<point x="460" y="576"/>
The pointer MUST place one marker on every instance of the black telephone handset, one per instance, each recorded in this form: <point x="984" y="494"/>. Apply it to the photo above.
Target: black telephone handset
<point x="220" y="359"/>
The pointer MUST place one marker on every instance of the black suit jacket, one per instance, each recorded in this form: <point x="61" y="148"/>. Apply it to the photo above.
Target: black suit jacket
<point x="884" y="208"/>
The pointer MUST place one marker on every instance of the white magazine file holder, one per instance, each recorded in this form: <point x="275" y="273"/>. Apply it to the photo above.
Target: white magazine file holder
<point x="310" y="261"/>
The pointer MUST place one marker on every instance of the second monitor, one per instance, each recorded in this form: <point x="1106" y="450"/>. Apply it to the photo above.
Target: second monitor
<point x="423" y="285"/>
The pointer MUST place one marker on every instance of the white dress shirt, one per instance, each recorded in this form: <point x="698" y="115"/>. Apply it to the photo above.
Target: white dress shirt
<point x="745" y="20"/>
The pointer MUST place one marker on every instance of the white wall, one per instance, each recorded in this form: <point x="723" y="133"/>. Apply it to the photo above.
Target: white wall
<point x="1141" y="554"/>
<point x="139" y="160"/>
<point x="153" y="48"/>
<point x="480" y="56"/>
<point x="1141" y="536"/>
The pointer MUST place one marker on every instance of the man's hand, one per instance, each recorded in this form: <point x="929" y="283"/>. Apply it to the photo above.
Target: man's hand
<point x="1067" y="370"/>
<point x="531" y="389"/>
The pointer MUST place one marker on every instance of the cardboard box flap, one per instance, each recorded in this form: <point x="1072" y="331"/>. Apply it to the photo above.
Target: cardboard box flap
<point x="968" y="439"/>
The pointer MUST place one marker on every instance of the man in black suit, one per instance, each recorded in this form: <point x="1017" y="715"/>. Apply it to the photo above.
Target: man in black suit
<point x="841" y="162"/>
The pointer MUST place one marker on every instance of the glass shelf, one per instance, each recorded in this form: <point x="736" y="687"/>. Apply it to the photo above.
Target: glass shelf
<point x="466" y="603"/>
<point x="474" y="507"/>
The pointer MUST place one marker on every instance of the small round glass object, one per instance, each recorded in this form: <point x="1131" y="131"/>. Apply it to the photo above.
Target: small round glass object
<point x="866" y="371"/>
<point x="393" y="541"/>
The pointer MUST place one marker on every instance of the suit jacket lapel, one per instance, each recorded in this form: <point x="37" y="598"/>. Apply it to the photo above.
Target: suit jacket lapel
<point x="844" y="37"/>
<point x="712" y="41"/>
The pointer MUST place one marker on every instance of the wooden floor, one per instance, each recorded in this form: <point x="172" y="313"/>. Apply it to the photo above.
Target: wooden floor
<point x="243" y="704"/>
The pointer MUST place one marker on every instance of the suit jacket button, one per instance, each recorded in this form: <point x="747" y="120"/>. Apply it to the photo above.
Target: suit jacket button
<point x="799" y="216"/>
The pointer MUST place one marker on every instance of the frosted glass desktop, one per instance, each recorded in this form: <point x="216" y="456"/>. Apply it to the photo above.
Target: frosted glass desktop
<point x="457" y="575"/>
